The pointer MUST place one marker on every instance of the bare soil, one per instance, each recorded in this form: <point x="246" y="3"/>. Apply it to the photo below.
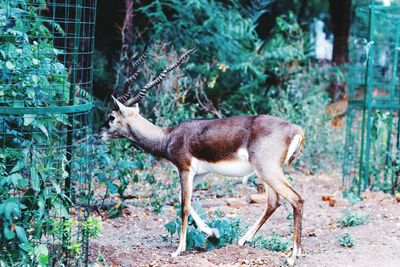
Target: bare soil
<point x="135" y="239"/>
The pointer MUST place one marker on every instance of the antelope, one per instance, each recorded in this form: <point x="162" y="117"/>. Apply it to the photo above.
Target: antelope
<point x="235" y="146"/>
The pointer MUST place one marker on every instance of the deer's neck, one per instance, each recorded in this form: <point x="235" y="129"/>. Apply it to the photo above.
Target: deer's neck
<point x="148" y="136"/>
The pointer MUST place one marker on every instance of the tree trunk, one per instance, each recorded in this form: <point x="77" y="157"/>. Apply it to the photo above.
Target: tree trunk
<point x="302" y="10"/>
<point x="340" y="17"/>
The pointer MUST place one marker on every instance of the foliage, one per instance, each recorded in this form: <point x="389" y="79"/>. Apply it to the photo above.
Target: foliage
<point x="25" y="44"/>
<point x="92" y="227"/>
<point x="114" y="166"/>
<point x="32" y="182"/>
<point x="229" y="229"/>
<point x="227" y="59"/>
<point x="298" y="90"/>
<point x="346" y="240"/>
<point x="384" y="161"/>
<point x="274" y="243"/>
<point x="119" y="166"/>
<point x="351" y="219"/>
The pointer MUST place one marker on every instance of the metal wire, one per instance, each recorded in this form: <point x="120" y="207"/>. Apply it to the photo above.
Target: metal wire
<point x="46" y="75"/>
<point x="372" y="139"/>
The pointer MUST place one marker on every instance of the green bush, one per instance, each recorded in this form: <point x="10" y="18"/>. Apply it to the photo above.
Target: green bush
<point x="33" y="161"/>
<point x="229" y="229"/>
<point x="274" y="243"/>
<point x="346" y="240"/>
<point x="351" y="219"/>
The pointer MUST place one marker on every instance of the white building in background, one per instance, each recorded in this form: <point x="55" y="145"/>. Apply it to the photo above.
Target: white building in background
<point x="323" y="45"/>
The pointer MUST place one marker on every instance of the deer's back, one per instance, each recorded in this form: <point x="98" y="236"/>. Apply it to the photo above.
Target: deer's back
<point x="225" y="139"/>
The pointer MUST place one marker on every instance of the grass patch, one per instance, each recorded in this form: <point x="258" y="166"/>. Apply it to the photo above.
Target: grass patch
<point x="274" y="243"/>
<point x="229" y="229"/>
<point x="346" y="240"/>
<point x="351" y="219"/>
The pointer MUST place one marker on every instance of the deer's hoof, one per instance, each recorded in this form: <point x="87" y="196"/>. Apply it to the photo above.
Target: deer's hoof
<point x="215" y="233"/>
<point x="176" y="254"/>
<point x="290" y="261"/>
<point x="242" y="241"/>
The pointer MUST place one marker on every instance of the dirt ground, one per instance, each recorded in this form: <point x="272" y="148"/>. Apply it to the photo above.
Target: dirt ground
<point x="136" y="238"/>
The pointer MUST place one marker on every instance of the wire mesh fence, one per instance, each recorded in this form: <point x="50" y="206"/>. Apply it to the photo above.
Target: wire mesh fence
<point x="46" y="73"/>
<point x="372" y="135"/>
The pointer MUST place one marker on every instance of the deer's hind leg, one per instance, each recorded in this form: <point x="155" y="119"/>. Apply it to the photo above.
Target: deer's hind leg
<point x="274" y="177"/>
<point x="272" y="205"/>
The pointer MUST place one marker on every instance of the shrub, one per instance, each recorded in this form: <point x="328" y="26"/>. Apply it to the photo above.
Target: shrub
<point x="229" y="229"/>
<point x="351" y="219"/>
<point x="346" y="240"/>
<point x="274" y="243"/>
<point x="35" y="163"/>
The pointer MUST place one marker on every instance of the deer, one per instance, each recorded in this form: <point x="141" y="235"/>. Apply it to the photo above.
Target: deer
<point x="234" y="146"/>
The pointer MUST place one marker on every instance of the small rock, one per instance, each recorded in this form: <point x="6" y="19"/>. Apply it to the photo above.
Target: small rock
<point x="258" y="198"/>
<point x="397" y="197"/>
<point x="235" y="202"/>
<point x="332" y="202"/>
<point x="210" y="203"/>
<point x="326" y="197"/>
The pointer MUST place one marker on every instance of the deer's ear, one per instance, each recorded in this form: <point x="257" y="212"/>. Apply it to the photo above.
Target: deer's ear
<point x="121" y="107"/>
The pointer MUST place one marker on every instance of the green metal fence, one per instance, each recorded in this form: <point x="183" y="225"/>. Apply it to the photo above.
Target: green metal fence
<point x="46" y="74"/>
<point x="372" y="136"/>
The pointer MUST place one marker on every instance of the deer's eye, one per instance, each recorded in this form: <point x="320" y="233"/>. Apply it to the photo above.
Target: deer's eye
<point x="111" y="118"/>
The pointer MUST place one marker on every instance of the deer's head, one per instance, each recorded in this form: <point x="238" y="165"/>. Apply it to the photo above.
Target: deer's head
<point x="126" y="107"/>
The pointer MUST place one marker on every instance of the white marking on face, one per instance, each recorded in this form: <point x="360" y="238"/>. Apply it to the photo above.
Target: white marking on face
<point x="294" y="145"/>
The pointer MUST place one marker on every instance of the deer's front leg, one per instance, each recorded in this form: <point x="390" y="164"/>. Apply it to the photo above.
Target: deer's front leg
<point x="186" y="179"/>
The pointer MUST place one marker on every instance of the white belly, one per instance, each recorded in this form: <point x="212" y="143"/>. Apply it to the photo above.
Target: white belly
<point x="227" y="168"/>
<point x="237" y="167"/>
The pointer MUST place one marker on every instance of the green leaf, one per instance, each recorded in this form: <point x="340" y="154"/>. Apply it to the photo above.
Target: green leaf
<point x="42" y="128"/>
<point x="20" y="165"/>
<point x="199" y="240"/>
<point x="11" y="207"/>
<point x="28" y="119"/>
<point x="35" y="180"/>
<point x="60" y="209"/>
<point x="43" y="260"/>
<point x="26" y="247"/>
<point x="21" y="234"/>
<point x="14" y="179"/>
<point x="10" y="65"/>
<point x="42" y="254"/>
<point x="171" y="227"/>
<point x="8" y="233"/>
